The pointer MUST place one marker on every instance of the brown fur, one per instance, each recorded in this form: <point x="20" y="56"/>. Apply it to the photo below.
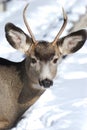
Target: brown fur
<point x="44" y="52"/>
<point x="10" y="90"/>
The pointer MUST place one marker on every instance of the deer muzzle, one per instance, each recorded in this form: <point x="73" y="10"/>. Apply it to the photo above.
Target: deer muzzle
<point x="46" y="83"/>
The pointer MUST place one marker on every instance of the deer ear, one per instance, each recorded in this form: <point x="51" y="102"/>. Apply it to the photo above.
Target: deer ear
<point x="73" y="42"/>
<point x="17" y="38"/>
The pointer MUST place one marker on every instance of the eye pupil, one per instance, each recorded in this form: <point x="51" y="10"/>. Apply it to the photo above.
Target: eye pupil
<point x="33" y="60"/>
<point x="55" y="60"/>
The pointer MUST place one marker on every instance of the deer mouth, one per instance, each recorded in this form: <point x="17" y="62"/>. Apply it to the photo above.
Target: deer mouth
<point x="46" y="83"/>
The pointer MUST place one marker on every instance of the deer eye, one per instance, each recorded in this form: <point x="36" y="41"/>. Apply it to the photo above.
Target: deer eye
<point x="33" y="60"/>
<point x="55" y="60"/>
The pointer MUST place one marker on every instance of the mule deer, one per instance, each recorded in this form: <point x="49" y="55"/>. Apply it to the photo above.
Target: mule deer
<point x="21" y="84"/>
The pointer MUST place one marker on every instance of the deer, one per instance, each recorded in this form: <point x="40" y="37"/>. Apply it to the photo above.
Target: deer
<point x="22" y="83"/>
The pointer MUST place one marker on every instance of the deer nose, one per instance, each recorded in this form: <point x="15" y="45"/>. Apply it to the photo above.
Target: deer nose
<point x="46" y="83"/>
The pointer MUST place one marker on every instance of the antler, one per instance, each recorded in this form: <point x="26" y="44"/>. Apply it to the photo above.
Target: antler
<point x="62" y="28"/>
<point x="27" y="26"/>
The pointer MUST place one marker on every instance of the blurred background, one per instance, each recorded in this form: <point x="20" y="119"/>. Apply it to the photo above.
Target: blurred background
<point x="63" y="106"/>
<point x="45" y="18"/>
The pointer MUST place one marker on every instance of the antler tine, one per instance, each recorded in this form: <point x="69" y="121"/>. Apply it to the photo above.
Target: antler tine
<point x="27" y="26"/>
<point x="62" y="28"/>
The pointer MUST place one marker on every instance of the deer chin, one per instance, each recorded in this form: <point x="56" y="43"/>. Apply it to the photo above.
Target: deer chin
<point x="38" y="87"/>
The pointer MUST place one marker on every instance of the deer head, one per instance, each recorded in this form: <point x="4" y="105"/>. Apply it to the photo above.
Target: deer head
<point x="42" y="56"/>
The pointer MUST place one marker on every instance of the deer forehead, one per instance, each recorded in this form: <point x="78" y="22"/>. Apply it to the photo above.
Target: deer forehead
<point x="44" y="51"/>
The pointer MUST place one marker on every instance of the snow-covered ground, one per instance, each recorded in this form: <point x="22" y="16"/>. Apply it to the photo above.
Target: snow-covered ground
<point x="63" y="106"/>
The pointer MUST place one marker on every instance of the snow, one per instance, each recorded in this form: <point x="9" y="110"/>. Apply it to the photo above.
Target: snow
<point x="63" y="106"/>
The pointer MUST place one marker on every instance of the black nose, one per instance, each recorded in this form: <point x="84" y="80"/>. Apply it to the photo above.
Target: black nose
<point x="46" y="83"/>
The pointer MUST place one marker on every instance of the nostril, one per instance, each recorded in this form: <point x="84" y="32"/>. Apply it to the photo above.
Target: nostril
<point x="41" y="83"/>
<point x="51" y="83"/>
<point x="46" y="83"/>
